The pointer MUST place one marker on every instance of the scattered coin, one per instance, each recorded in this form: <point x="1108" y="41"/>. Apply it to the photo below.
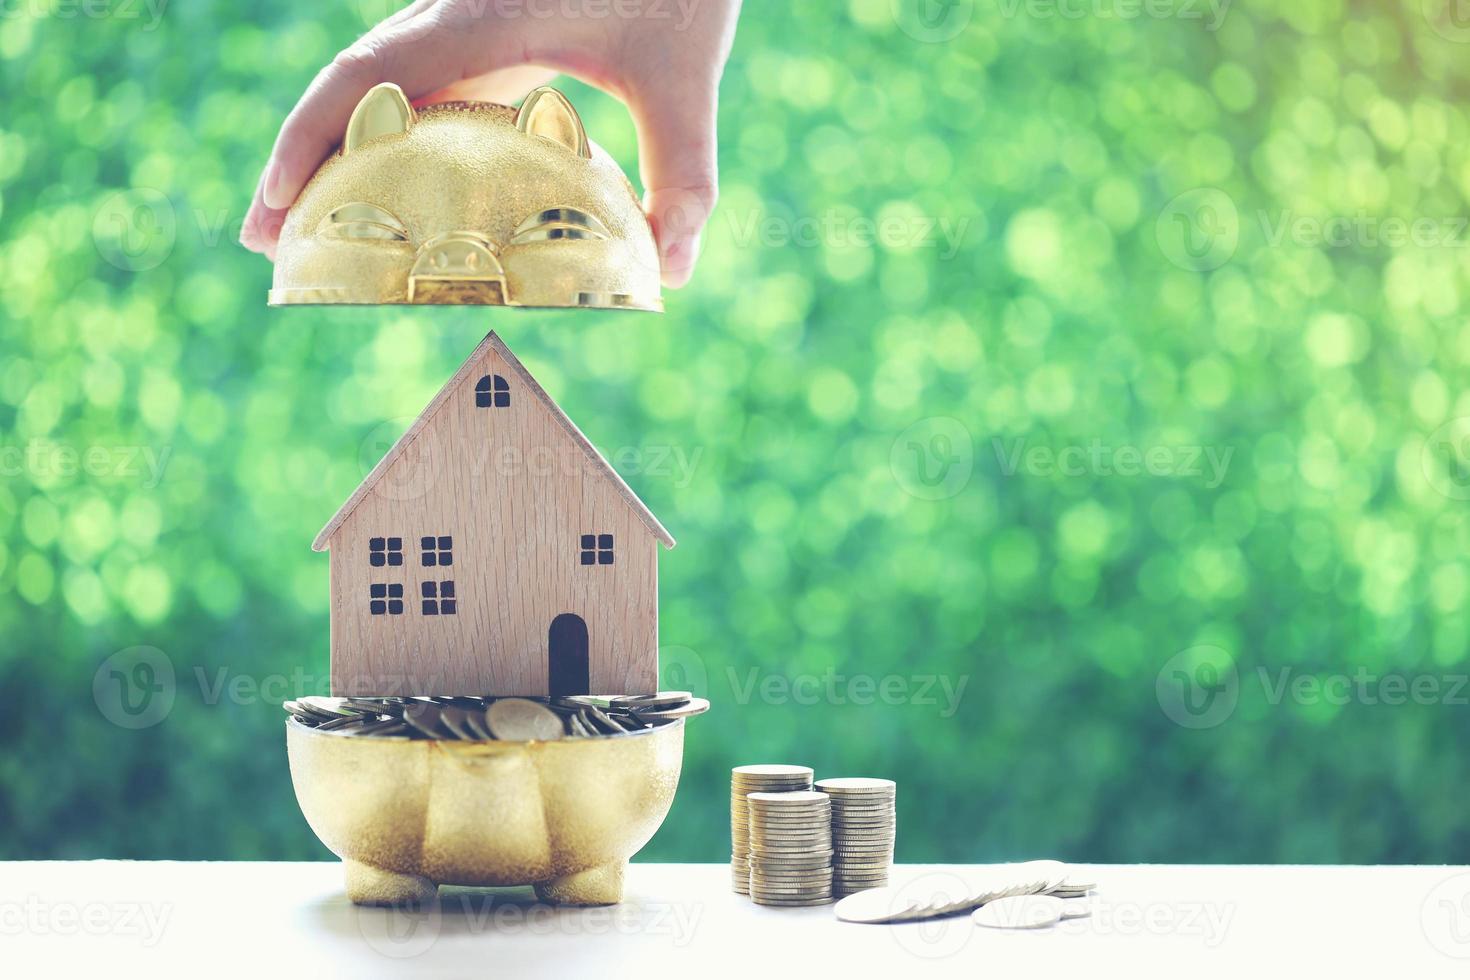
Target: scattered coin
<point x="1025" y="912"/>
<point x="876" y="905"/>
<point x="695" y="706"/>
<point x="1001" y="887"/>
<point x="640" y="702"/>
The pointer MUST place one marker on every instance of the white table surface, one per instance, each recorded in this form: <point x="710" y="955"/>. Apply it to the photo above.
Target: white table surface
<point x="165" y="919"/>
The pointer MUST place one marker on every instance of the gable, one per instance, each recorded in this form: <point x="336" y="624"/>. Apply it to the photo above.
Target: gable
<point x="462" y="384"/>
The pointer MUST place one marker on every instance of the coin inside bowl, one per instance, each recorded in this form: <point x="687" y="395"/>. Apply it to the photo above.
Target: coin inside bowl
<point x="506" y="719"/>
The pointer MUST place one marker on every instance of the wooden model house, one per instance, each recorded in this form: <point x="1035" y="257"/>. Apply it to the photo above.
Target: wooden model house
<point x="493" y="550"/>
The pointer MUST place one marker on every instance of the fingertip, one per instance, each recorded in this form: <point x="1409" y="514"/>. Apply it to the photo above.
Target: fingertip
<point x="276" y="192"/>
<point x="676" y="260"/>
<point x="261" y="230"/>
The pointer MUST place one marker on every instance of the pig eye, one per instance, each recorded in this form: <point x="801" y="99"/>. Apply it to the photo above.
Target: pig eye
<point x="555" y="224"/>
<point x="363" y="221"/>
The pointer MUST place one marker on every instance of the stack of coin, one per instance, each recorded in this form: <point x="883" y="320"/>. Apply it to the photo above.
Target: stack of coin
<point x="755" y="779"/>
<point x="863" y="828"/>
<point x="790" y="848"/>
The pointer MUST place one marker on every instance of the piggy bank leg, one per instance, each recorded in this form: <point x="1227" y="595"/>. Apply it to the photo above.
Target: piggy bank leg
<point x="602" y="885"/>
<point x="367" y="885"/>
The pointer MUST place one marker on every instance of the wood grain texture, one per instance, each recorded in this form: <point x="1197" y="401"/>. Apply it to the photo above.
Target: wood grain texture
<point x="515" y="488"/>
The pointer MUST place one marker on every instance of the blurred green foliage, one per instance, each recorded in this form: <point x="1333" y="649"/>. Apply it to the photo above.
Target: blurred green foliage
<point x="903" y="455"/>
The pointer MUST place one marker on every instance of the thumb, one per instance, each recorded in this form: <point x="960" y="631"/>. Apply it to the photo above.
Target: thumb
<point x="677" y="161"/>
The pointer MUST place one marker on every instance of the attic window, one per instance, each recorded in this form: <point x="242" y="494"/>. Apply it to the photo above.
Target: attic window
<point x="438" y="598"/>
<point x="597" y="549"/>
<point x="492" y="391"/>
<point x="385" y="551"/>
<point x="386" y="599"/>
<point x="437" y="551"/>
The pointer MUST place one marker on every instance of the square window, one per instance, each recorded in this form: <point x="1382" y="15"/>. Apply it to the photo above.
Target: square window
<point x="482" y="399"/>
<point x="502" y="399"/>
<point x="436" y="550"/>
<point x="597" y="549"/>
<point x="385" y="551"/>
<point x="385" y="599"/>
<point x="438" y="598"/>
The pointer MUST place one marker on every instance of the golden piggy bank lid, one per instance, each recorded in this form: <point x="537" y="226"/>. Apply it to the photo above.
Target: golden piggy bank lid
<point x="467" y="203"/>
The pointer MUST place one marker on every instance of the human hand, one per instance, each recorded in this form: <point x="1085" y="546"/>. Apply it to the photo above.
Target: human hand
<point x="662" y="58"/>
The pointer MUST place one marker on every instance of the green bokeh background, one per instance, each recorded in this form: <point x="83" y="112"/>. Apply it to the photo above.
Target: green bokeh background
<point x="848" y="410"/>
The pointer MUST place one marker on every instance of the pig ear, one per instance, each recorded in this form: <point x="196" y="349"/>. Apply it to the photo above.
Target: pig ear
<point x="384" y="111"/>
<point x="548" y="114"/>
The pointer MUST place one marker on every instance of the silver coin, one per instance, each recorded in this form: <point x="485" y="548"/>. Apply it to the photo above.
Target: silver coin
<point x="1021" y="912"/>
<point x="522" y="720"/>
<point x="857" y="784"/>
<point x="875" y="905"/>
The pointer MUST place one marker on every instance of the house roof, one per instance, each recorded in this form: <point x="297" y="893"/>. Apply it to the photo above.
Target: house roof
<point x="492" y="341"/>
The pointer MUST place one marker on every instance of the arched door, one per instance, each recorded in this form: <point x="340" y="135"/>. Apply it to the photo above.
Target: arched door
<point x="566" y="656"/>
